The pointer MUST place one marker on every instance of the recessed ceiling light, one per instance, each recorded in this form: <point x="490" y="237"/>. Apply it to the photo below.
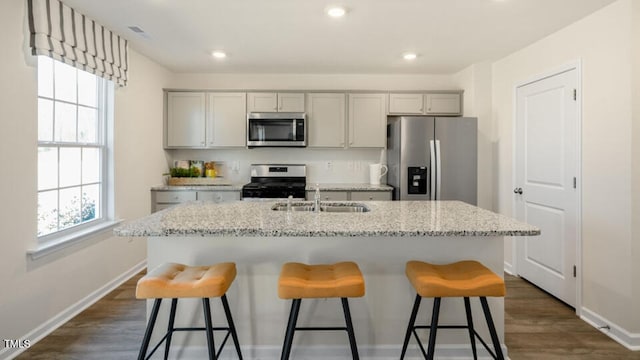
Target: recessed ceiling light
<point x="409" y="56"/>
<point x="336" y="12"/>
<point x="219" y="54"/>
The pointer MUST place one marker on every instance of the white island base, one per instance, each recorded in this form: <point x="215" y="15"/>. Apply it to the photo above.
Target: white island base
<point x="380" y="317"/>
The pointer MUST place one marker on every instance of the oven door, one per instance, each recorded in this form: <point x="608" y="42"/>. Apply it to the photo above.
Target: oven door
<point x="276" y="129"/>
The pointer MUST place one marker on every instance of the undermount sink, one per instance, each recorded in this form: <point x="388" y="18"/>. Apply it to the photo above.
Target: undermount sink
<point x="330" y="208"/>
<point x="283" y="207"/>
<point x="344" y="208"/>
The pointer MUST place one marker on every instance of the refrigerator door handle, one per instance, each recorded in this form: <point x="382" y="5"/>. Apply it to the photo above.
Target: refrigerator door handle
<point x="438" y="171"/>
<point x="432" y="169"/>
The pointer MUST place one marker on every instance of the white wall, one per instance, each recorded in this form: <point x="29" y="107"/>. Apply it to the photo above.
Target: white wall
<point x="347" y="165"/>
<point x="476" y="83"/>
<point x="603" y="42"/>
<point x="35" y="292"/>
<point x="635" y="163"/>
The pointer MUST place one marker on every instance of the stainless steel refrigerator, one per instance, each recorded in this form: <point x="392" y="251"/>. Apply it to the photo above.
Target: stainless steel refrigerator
<point x="433" y="158"/>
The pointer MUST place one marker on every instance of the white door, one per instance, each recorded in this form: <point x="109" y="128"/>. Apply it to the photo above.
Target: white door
<point x="546" y="180"/>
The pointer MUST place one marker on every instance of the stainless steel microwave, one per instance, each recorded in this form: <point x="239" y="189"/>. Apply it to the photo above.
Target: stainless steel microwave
<point x="282" y="129"/>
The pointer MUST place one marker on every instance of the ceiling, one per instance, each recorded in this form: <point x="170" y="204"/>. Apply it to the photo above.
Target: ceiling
<point x="296" y="36"/>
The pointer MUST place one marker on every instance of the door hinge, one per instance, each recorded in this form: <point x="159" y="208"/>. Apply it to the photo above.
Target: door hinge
<point x="575" y="94"/>
<point x="575" y="182"/>
<point x="574" y="271"/>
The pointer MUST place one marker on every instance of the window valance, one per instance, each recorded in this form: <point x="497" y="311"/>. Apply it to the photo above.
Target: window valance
<point x="64" y="34"/>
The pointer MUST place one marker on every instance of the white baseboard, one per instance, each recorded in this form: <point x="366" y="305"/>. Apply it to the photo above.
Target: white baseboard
<point x="63" y="317"/>
<point x="508" y="268"/>
<point x="627" y="339"/>
<point x="320" y="352"/>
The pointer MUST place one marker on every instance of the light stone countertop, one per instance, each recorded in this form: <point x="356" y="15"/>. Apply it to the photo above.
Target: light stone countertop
<point x="310" y="187"/>
<point x="349" y="187"/>
<point x="385" y="218"/>
<point x="230" y="187"/>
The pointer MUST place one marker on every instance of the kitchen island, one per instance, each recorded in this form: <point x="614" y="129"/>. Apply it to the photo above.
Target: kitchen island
<point x="381" y="240"/>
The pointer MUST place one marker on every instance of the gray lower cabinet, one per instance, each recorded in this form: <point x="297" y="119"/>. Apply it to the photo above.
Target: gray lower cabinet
<point x="370" y="195"/>
<point x="351" y="195"/>
<point x="162" y="199"/>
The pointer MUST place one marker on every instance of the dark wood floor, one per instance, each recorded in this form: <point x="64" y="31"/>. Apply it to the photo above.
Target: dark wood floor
<point x="537" y="327"/>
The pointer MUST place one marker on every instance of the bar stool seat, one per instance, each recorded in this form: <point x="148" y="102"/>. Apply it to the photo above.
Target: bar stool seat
<point x="301" y="281"/>
<point x="174" y="281"/>
<point x="461" y="279"/>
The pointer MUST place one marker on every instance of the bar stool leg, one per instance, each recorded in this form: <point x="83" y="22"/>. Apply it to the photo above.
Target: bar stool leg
<point x="352" y="336"/>
<point x="172" y="317"/>
<point x="472" y="337"/>
<point x="492" y="328"/>
<point x="149" y="331"/>
<point x="291" y="329"/>
<point x="209" y="328"/>
<point x="434" y="328"/>
<point x="412" y="321"/>
<point x="232" y="327"/>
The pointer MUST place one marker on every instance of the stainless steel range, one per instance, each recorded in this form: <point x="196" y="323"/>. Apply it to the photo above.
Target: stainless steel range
<point x="276" y="181"/>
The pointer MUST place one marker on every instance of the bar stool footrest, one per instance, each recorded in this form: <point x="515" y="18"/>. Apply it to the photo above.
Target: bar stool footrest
<point x="477" y="336"/>
<point x="164" y="338"/>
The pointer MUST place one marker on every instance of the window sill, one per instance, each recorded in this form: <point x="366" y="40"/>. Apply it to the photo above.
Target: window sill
<point x="47" y="248"/>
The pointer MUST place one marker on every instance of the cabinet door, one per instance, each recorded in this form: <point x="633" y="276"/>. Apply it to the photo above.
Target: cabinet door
<point x="262" y="102"/>
<point x="219" y="196"/>
<point x="443" y="104"/>
<point x="406" y="104"/>
<point x="329" y="195"/>
<point x="291" y="102"/>
<point x="227" y="120"/>
<point x="367" y="120"/>
<point x="185" y="119"/>
<point x="325" y="116"/>
<point x="370" y="195"/>
<point x="161" y="200"/>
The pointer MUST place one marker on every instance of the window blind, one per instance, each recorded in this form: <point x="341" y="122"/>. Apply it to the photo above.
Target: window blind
<point x="62" y="33"/>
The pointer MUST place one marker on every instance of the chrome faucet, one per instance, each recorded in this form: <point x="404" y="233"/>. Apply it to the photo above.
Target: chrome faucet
<point x="316" y="199"/>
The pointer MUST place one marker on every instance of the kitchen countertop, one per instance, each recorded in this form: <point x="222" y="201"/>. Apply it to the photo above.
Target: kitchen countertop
<point x="310" y="187"/>
<point x="349" y="187"/>
<point x="385" y="218"/>
<point x="230" y="187"/>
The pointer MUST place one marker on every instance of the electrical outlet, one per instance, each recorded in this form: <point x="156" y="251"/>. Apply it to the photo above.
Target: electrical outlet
<point x="350" y="165"/>
<point x="328" y="165"/>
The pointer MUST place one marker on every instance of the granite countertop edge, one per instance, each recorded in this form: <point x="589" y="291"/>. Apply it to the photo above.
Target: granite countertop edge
<point x="385" y="219"/>
<point x="309" y="187"/>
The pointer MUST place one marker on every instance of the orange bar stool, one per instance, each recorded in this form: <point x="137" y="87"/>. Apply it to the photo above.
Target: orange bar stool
<point x="461" y="279"/>
<point x="300" y="281"/>
<point x="174" y="281"/>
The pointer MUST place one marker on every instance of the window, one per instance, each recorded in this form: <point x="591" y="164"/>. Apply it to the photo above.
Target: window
<point x="72" y="149"/>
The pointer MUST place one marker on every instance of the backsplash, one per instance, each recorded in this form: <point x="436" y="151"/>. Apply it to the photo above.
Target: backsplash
<point x="323" y="165"/>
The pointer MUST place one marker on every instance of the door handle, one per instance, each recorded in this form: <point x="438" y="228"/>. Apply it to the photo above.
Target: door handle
<point x="517" y="191"/>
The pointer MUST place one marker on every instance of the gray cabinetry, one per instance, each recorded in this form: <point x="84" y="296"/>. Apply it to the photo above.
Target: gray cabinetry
<point x="162" y="199"/>
<point x="343" y="195"/>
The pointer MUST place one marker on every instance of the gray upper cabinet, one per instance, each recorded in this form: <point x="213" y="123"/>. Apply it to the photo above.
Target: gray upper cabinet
<point x="205" y="120"/>
<point x="326" y="114"/>
<point x="367" y="120"/>
<point x="186" y="119"/>
<point x="443" y="104"/>
<point x="406" y="104"/>
<point x="227" y="122"/>
<point x="432" y="103"/>
<point x="275" y="102"/>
